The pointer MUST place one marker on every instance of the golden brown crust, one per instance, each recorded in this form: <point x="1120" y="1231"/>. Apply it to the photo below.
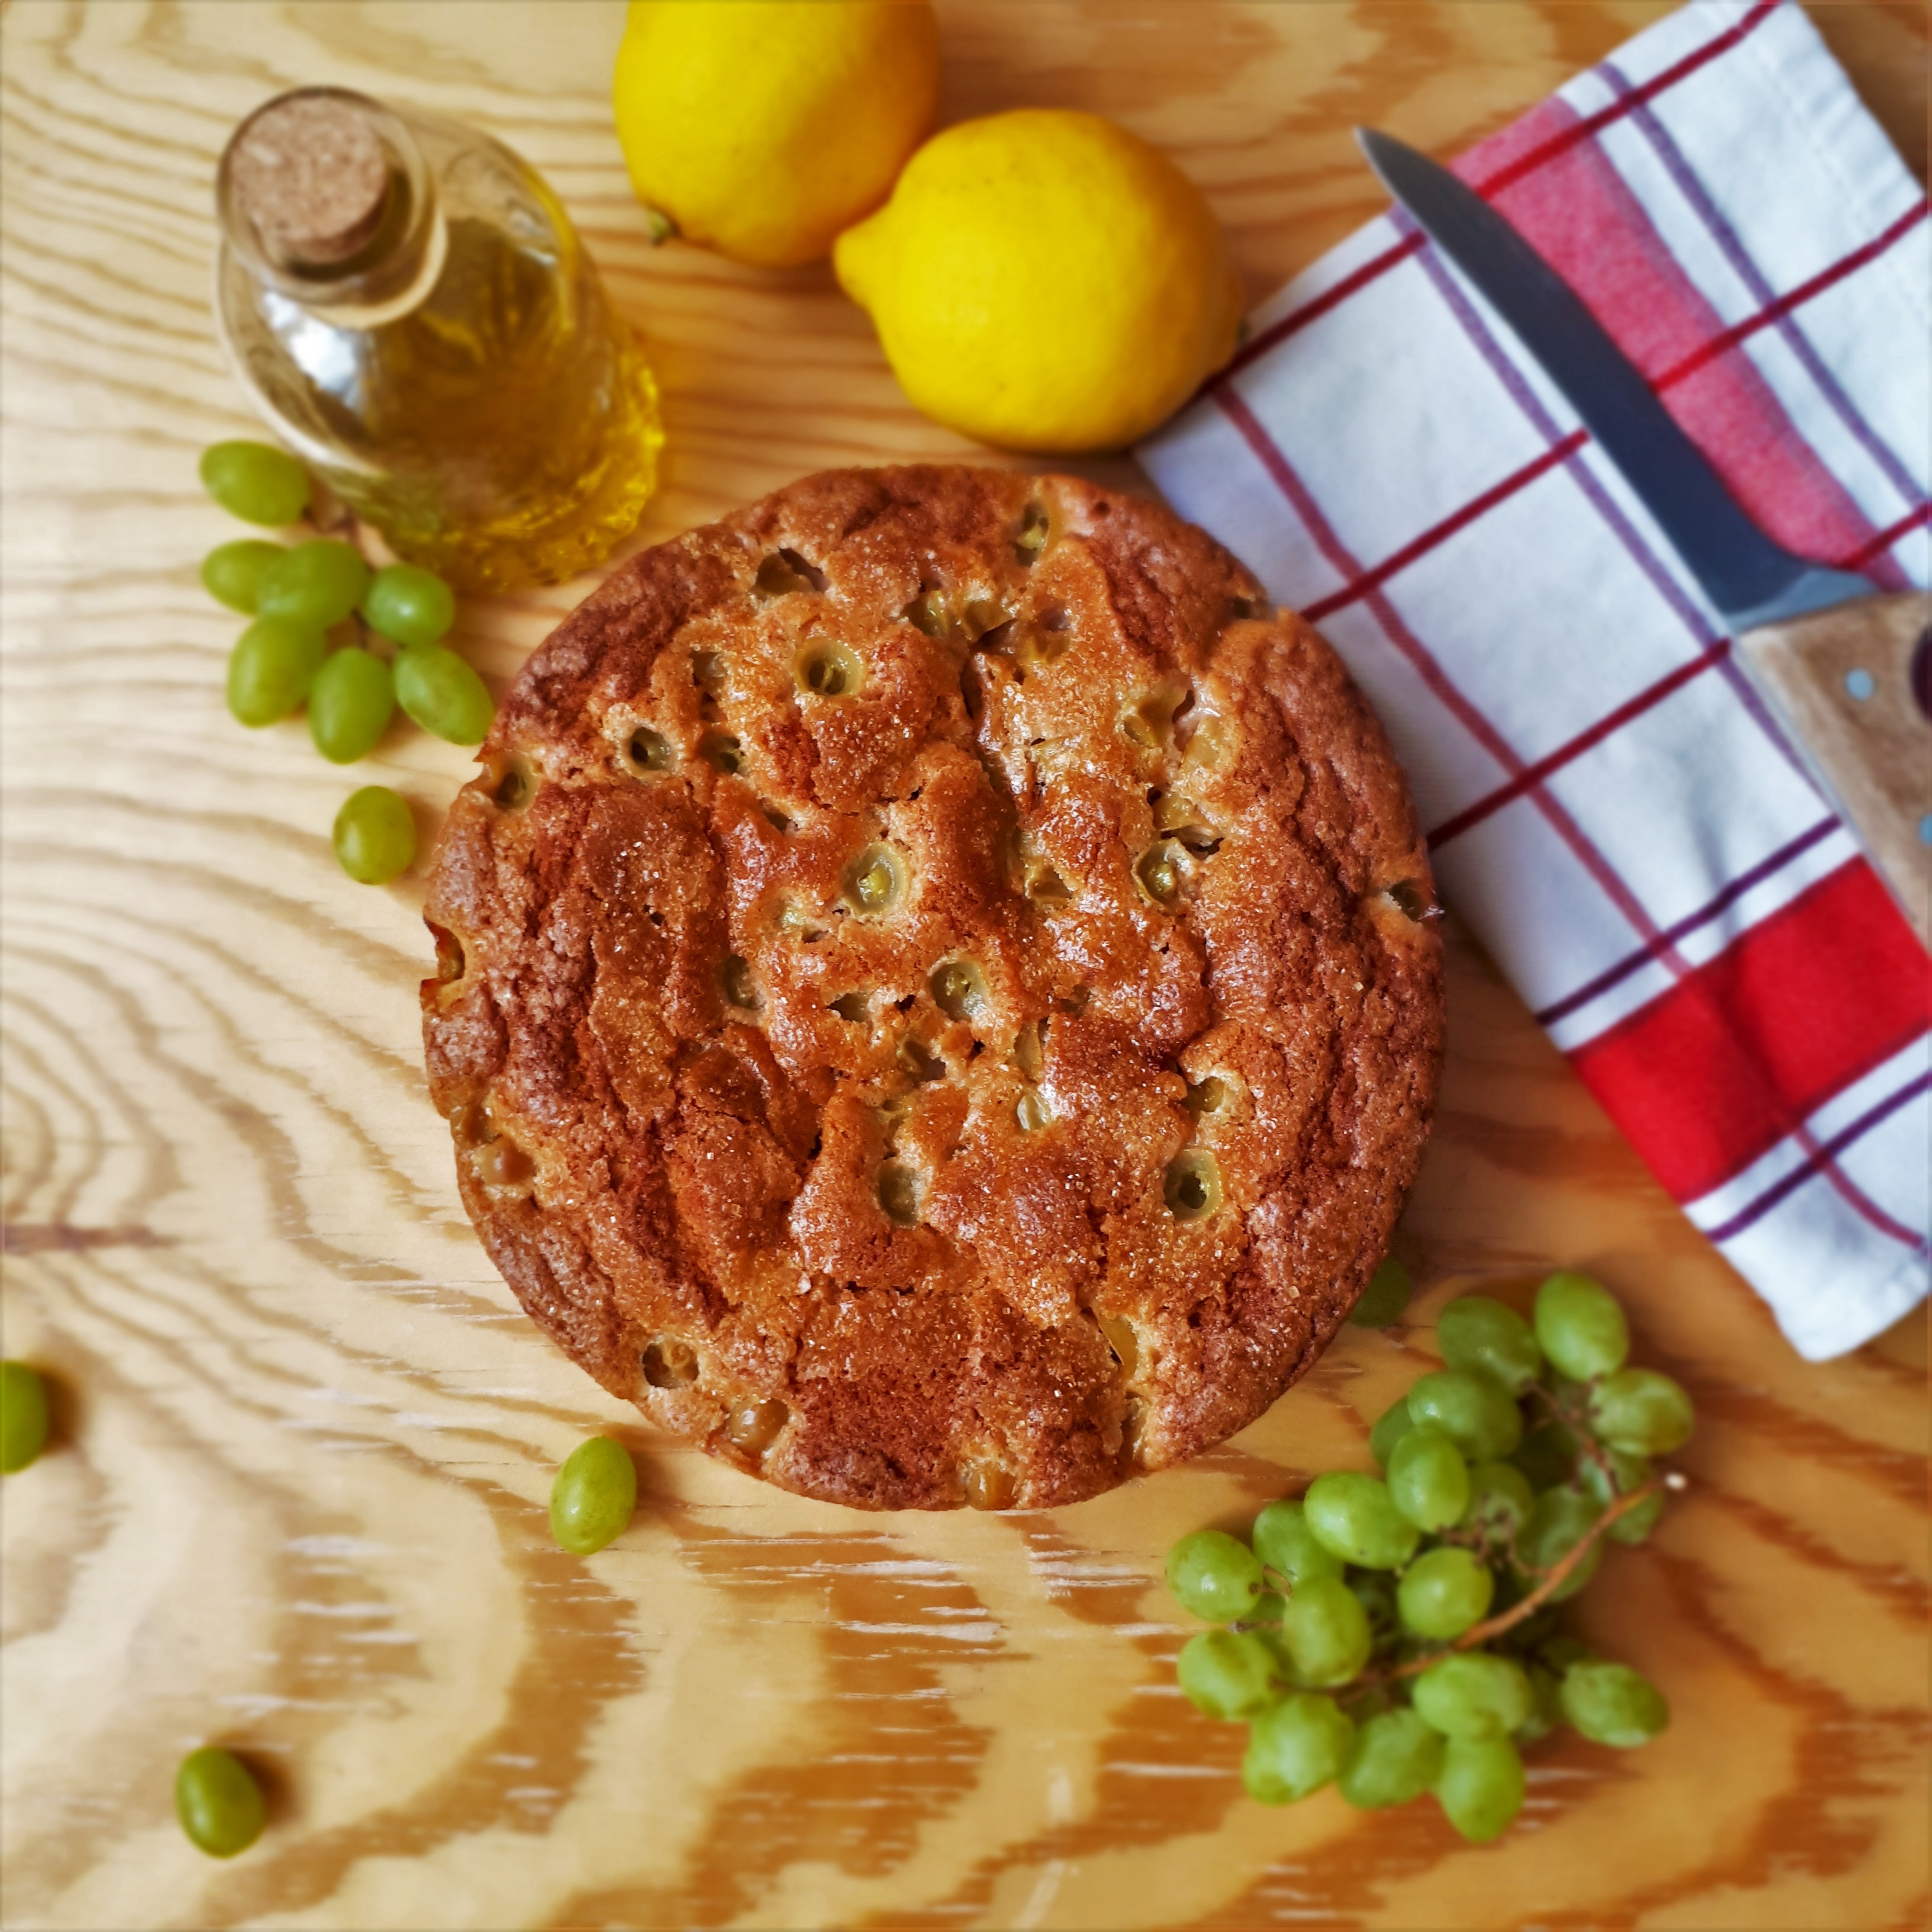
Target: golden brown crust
<point x="1064" y="1161"/>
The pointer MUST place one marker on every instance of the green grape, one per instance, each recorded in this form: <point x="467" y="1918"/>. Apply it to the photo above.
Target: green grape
<point x="1500" y="1500"/>
<point x="316" y="583"/>
<point x="255" y="482"/>
<point x="1214" y="1575"/>
<point x="1229" y="1673"/>
<point x="1635" y="1525"/>
<point x="231" y="573"/>
<point x="1295" y="1748"/>
<point x="1580" y="1326"/>
<point x="1391" y="1426"/>
<point x="592" y="1498"/>
<point x="218" y="1802"/>
<point x="1281" y="1663"/>
<point x="1444" y="1592"/>
<point x="1610" y="1704"/>
<point x="1428" y="1480"/>
<point x="1480" y="1414"/>
<point x="1326" y="1632"/>
<point x="1642" y="1412"/>
<point x="375" y="835"/>
<point x="1393" y="1757"/>
<point x="349" y="704"/>
<point x="1283" y="1541"/>
<point x="1267" y="1609"/>
<point x="1481" y="1786"/>
<point x="1545" y="1690"/>
<point x="1631" y="1472"/>
<point x="1546" y="1456"/>
<point x="1561" y="1652"/>
<point x="270" y="670"/>
<point x="23" y="1416"/>
<point x="1473" y="1694"/>
<point x="1375" y="1591"/>
<point x="412" y="606"/>
<point x="1386" y="1297"/>
<point x="1560" y="1521"/>
<point x="1352" y="1515"/>
<point x="1474" y="1332"/>
<point x="443" y="694"/>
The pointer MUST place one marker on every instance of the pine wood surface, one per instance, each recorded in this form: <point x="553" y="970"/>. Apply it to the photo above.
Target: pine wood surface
<point x="305" y="1438"/>
<point x="1874" y="749"/>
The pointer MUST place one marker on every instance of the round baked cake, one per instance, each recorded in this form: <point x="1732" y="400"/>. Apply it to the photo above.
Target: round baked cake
<point x="937" y="997"/>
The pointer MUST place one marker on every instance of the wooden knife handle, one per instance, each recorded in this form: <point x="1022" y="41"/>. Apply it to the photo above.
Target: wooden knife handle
<point x="1854" y="681"/>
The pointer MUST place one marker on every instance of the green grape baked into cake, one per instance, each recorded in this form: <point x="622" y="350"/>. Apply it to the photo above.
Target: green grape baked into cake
<point x="1400" y="1634"/>
<point x="937" y="1000"/>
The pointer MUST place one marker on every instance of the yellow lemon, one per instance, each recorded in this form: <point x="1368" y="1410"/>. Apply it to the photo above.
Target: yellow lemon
<point x="762" y="127"/>
<point x="1045" y="280"/>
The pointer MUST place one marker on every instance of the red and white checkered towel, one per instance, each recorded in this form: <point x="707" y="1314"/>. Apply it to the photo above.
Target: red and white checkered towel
<point x="1609" y="804"/>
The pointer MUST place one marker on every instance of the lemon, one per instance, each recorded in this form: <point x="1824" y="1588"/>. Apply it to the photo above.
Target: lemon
<point x="1045" y="280"/>
<point x="762" y="127"/>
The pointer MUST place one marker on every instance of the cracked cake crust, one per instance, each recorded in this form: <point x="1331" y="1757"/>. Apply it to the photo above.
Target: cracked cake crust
<point x="937" y="997"/>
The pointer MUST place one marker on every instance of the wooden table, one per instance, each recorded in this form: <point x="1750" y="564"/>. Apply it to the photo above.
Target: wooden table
<point x="305" y="1438"/>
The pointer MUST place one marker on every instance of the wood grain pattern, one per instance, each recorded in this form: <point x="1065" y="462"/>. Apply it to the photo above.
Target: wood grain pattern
<point x="304" y="1437"/>
<point x="1844" y="677"/>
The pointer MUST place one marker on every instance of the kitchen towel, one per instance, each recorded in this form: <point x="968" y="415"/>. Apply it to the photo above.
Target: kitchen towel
<point x="1609" y="802"/>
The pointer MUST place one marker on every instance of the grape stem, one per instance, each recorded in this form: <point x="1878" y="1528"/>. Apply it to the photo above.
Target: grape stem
<point x="1578" y="1426"/>
<point x="345" y="526"/>
<point x="1552" y="1581"/>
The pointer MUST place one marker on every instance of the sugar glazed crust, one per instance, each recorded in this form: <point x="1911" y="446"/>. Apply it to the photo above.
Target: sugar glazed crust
<point x="936" y="1002"/>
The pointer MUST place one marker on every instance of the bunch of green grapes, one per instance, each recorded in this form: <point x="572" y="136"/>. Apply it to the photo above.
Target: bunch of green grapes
<point x="1399" y="1634"/>
<point x="297" y="595"/>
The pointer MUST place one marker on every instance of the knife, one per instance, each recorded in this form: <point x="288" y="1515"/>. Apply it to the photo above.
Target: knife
<point x="1850" y="669"/>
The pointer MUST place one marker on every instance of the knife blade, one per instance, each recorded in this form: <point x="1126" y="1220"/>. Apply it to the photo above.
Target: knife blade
<point x="1750" y="579"/>
<point x="1850" y="669"/>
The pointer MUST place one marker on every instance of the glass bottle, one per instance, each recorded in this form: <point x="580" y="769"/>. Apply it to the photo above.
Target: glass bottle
<point x="408" y="305"/>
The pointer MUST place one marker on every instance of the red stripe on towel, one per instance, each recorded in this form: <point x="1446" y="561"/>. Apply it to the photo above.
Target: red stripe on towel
<point x="1527" y="156"/>
<point x="1579" y="214"/>
<point x="1712" y="1074"/>
<point x="1774" y="311"/>
<point x="1523" y="163"/>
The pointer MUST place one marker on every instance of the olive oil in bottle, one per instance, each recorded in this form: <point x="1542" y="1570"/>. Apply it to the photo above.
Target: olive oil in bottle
<point x="409" y="306"/>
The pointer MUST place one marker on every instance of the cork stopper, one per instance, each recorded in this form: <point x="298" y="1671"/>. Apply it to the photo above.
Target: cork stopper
<point x="309" y="175"/>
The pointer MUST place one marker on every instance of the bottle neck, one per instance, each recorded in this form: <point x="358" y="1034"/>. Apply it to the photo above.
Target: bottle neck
<point x="325" y="196"/>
